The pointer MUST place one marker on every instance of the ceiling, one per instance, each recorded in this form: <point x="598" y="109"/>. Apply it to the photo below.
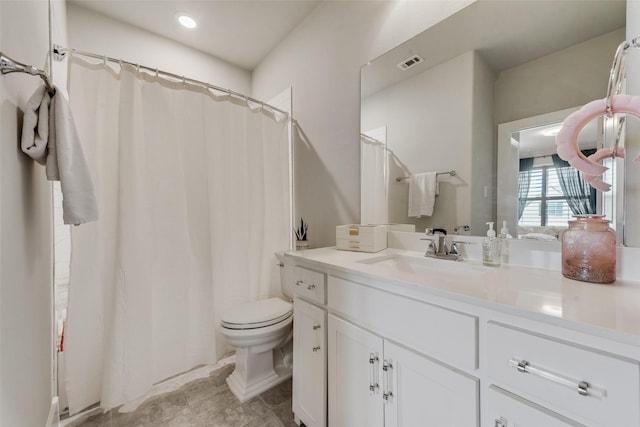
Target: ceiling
<point x="533" y="142"/>
<point x="505" y="33"/>
<point x="241" y="32"/>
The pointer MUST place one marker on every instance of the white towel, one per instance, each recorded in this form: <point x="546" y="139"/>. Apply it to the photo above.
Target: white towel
<point x="423" y="188"/>
<point x="49" y="136"/>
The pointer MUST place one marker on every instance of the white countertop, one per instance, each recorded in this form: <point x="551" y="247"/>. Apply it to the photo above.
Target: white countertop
<point x="612" y="311"/>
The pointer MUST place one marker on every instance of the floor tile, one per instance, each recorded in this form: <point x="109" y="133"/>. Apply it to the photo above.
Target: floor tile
<point x="98" y="420"/>
<point x="205" y="402"/>
<point x="278" y="394"/>
<point x="284" y="413"/>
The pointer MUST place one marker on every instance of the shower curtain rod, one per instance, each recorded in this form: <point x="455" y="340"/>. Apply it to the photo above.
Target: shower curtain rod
<point x="59" y="53"/>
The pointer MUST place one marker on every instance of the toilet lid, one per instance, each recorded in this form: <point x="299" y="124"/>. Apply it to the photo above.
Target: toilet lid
<point x="257" y="314"/>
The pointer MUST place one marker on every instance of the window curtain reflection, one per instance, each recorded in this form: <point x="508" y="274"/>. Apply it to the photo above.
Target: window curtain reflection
<point x="526" y="165"/>
<point x="581" y="197"/>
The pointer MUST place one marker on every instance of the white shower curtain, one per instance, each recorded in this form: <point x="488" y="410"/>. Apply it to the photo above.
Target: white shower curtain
<point x="193" y="193"/>
<point x="373" y="177"/>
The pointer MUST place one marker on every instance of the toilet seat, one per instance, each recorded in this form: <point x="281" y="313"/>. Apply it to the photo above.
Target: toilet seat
<point x="257" y="314"/>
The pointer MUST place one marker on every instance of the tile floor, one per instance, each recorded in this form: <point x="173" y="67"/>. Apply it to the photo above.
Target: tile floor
<point x="204" y="402"/>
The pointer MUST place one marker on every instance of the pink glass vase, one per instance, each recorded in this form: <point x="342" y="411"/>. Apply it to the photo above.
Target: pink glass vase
<point x="589" y="250"/>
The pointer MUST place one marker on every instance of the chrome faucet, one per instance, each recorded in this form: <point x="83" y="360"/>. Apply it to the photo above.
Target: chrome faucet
<point x="442" y="243"/>
<point x="438" y="248"/>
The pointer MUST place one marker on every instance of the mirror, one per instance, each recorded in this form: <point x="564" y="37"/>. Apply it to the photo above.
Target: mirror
<point x="434" y="104"/>
<point x="538" y="191"/>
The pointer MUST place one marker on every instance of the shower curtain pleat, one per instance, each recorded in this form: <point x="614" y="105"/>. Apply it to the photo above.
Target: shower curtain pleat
<point x="373" y="181"/>
<point x="193" y="201"/>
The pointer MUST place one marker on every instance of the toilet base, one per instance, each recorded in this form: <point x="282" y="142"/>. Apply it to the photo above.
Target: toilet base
<point x="255" y="374"/>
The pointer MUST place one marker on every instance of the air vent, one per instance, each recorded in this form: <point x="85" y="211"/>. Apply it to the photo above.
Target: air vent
<point x="410" y="62"/>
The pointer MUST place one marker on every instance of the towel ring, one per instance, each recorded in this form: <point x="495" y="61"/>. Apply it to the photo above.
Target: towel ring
<point x="567" y="138"/>
<point x="614" y="87"/>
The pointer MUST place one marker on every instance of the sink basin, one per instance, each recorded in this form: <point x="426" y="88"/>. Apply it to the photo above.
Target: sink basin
<point x="424" y="265"/>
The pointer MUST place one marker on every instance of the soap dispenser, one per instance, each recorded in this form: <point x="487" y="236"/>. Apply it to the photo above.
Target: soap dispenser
<point x="491" y="247"/>
<point x="504" y="237"/>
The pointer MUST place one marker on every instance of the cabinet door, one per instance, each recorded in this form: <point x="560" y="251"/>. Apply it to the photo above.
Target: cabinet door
<point x="355" y="357"/>
<point x="420" y="392"/>
<point x="309" y="364"/>
<point x="509" y="410"/>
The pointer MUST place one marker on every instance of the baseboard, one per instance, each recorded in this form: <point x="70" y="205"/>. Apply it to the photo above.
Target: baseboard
<point x="53" y="420"/>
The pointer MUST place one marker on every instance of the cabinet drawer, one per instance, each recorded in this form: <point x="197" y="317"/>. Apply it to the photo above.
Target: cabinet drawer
<point x="309" y="284"/>
<point x="443" y="334"/>
<point x="509" y="410"/>
<point x="583" y="383"/>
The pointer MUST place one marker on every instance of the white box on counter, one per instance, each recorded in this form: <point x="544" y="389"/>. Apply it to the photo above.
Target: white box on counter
<point x="361" y="238"/>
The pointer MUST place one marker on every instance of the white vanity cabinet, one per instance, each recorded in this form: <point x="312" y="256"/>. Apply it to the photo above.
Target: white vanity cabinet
<point x="415" y="350"/>
<point x="374" y="381"/>
<point x="508" y="410"/>
<point x="355" y="396"/>
<point x="309" y="400"/>
<point x="583" y="383"/>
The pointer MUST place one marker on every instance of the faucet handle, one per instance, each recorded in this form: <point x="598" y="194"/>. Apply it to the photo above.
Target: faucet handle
<point x="460" y="228"/>
<point x="453" y="249"/>
<point x="431" y="249"/>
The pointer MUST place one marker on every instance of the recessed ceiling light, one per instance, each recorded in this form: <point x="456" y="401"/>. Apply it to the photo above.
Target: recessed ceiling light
<point x="187" y="21"/>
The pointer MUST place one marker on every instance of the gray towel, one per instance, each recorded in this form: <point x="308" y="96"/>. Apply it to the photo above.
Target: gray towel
<point x="49" y="136"/>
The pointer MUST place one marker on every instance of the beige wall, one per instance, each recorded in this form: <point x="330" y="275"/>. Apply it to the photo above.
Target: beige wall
<point x="26" y="344"/>
<point x="438" y="121"/>
<point x="321" y="60"/>
<point x="96" y="33"/>
<point x="483" y="152"/>
<point x="568" y="78"/>
<point x="632" y="141"/>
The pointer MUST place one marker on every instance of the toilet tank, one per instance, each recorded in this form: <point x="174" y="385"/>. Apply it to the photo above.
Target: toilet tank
<point x="286" y="283"/>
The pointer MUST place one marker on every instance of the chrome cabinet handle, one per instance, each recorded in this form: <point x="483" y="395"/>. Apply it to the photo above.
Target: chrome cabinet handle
<point x="582" y="387"/>
<point x="310" y="286"/>
<point x="316" y="348"/>
<point x="316" y="327"/>
<point x="374" y="385"/>
<point x="387" y="393"/>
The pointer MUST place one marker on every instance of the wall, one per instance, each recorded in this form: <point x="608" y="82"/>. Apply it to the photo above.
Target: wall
<point x="321" y="60"/>
<point x="563" y="79"/>
<point x="632" y="137"/>
<point x="26" y="353"/>
<point x="436" y="123"/>
<point x="483" y="152"/>
<point x="96" y="33"/>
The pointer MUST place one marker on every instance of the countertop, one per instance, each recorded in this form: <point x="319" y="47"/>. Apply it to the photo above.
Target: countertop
<point x="610" y="311"/>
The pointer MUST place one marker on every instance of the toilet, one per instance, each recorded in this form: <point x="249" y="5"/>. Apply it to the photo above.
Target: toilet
<point x="256" y="329"/>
